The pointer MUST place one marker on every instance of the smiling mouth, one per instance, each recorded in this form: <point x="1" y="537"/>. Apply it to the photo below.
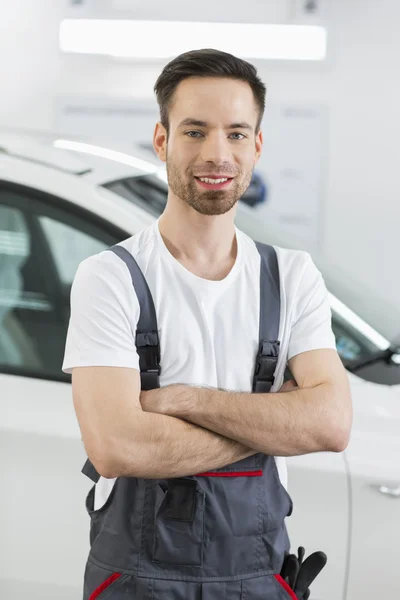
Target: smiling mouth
<point x="214" y="183"/>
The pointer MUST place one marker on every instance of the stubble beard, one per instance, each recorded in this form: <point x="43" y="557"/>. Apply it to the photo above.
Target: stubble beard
<point x="207" y="202"/>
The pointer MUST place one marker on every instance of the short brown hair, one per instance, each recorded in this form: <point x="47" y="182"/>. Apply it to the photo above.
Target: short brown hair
<point x="206" y="63"/>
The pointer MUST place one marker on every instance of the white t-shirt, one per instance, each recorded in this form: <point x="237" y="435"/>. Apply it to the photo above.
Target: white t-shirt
<point x="208" y="329"/>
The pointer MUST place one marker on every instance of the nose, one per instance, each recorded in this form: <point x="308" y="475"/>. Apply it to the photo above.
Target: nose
<point x="216" y="149"/>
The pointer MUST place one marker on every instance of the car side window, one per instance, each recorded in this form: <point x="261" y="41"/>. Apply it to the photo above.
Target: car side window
<point x="15" y="248"/>
<point x="69" y="247"/>
<point x="41" y="246"/>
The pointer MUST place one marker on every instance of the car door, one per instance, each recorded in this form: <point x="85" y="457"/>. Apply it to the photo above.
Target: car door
<point x="373" y="457"/>
<point x="43" y="524"/>
<point x="319" y="487"/>
<point x="374" y="461"/>
<point x="347" y="504"/>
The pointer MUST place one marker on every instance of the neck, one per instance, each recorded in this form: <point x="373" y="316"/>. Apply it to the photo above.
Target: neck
<point x="204" y="244"/>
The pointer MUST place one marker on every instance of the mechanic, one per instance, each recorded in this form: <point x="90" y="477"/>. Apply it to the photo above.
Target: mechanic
<point x="185" y="439"/>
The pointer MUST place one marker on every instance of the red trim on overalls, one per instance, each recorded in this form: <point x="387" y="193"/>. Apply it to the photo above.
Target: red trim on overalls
<point x="232" y="474"/>
<point x="286" y="586"/>
<point x="104" y="585"/>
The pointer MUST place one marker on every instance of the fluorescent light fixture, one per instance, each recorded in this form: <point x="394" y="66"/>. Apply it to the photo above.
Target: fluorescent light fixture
<point x="358" y="323"/>
<point x="166" y="39"/>
<point x="119" y="157"/>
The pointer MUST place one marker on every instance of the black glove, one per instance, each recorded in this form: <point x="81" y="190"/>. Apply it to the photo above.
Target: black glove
<point x="299" y="575"/>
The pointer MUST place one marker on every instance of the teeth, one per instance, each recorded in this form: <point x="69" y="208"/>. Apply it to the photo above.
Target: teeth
<point x="208" y="180"/>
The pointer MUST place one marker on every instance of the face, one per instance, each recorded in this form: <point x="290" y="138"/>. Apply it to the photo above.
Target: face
<point x="212" y="136"/>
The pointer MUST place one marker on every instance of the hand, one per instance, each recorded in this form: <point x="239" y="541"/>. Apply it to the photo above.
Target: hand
<point x="163" y="401"/>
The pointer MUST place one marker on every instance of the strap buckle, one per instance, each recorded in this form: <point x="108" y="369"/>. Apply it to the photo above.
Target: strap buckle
<point x="266" y="362"/>
<point x="265" y="368"/>
<point x="148" y="348"/>
<point x="149" y="359"/>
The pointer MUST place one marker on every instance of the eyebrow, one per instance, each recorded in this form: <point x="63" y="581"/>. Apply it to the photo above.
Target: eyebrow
<point x="197" y="123"/>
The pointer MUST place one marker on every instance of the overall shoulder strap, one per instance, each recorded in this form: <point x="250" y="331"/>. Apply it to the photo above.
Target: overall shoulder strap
<point x="270" y="310"/>
<point x="147" y="341"/>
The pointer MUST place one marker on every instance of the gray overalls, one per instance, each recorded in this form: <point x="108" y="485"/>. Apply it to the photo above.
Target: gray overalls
<point x="212" y="536"/>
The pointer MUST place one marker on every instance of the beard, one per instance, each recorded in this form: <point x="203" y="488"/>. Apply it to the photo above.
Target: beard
<point x="207" y="202"/>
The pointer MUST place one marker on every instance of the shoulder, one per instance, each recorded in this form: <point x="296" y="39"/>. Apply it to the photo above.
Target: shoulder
<point x="292" y="263"/>
<point x="142" y="243"/>
<point x="300" y="277"/>
<point x="106" y="266"/>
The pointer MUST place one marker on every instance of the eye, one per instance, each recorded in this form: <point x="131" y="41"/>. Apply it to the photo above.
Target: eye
<point x="196" y="134"/>
<point x="241" y="134"/>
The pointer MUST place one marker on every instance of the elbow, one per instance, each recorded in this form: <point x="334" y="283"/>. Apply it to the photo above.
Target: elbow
<point x="106" y="467"/>
<point x="339" y="431"/>
<point x="113" y="463"/>
<point x="339" y="441"/>
<point x="105" y="461"/>
<point x="107" y="470"/>
<point x="338" y="420"/>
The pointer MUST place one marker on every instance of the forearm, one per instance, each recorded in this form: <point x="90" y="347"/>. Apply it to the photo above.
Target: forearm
<point x="279" y="424"/>
<point x="161" y="446"/>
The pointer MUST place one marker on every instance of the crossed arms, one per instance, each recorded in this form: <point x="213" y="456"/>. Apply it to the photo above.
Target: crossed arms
<point x="182" y="430"/>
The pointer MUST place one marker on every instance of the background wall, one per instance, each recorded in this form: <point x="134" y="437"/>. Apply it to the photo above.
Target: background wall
<point x="359" y="86"/>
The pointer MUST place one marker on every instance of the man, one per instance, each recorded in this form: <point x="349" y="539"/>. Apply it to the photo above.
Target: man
<point x="191" y="502"/>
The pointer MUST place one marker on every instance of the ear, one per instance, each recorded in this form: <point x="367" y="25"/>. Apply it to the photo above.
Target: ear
<point x="259" y="144"/>
<point x="160" y="141"/>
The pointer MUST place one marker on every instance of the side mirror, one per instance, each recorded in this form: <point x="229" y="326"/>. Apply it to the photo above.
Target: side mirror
<point x="395" y="358"/>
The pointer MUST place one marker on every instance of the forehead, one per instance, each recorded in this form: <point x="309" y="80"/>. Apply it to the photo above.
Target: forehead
<point x="213" y="99"/>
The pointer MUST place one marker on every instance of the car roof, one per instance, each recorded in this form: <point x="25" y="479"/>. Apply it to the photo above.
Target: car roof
<point x="61" y="186"/>
<point x="31" y="149"/>
<point x="98" y="161"/>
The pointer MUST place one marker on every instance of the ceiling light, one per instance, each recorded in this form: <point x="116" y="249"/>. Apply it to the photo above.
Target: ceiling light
<point x="166" y="39"/>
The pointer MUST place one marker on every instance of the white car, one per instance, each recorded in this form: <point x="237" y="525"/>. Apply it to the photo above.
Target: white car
<point x="58" y="206"/>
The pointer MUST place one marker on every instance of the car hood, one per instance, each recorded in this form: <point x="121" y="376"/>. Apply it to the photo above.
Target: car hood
<point x="376" y="406"/>
<point x="372" y="305"/>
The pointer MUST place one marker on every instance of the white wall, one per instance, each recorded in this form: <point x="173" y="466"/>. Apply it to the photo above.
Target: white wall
<point x="361" y="88"/>
<point x="30" y="64"/>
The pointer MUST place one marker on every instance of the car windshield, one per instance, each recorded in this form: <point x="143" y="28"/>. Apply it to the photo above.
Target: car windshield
<point x="363" y="324"/>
